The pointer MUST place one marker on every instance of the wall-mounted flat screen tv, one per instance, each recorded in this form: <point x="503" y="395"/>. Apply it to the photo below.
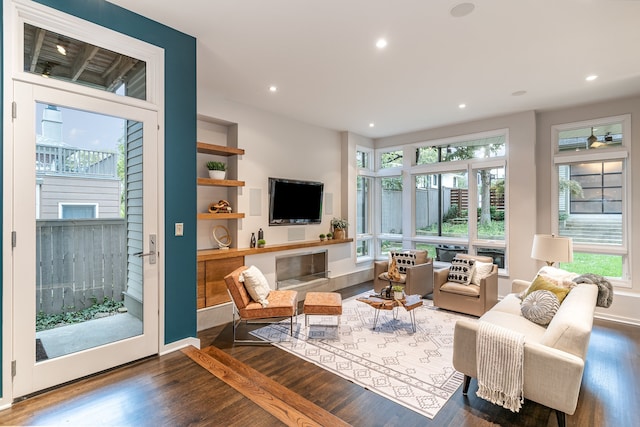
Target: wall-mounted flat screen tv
<point x="295" y="202"/>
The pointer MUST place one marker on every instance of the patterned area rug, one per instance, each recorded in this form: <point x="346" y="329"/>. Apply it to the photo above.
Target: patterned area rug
<point x="412" y="369"/>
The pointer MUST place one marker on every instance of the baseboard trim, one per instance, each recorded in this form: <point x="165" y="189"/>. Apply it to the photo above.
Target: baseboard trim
<point x="179" y="345"/>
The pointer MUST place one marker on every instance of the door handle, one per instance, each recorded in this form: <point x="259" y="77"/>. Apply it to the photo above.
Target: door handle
<point x="141" y="254"/>
<point x="152" y="250"/>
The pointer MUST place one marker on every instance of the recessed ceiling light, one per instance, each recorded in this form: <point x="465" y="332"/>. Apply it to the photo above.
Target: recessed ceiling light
<point x="462" y="9"/>
<point x="461" y="106"/>
<point x="371" y="124"/>
<point x="591" y="78"/>
<point x="61" y="49"/>
<point x="273" y="88"/>
<point x="519" y="93"/>
<point x="381" y="43"/>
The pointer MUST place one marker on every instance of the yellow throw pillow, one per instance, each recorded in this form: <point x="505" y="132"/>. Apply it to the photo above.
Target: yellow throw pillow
<point x="542" y="284"/>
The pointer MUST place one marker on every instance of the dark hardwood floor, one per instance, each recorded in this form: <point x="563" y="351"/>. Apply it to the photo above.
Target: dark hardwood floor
<point x="173" y="390"/>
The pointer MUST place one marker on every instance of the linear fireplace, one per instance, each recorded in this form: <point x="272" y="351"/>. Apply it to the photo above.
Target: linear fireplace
<point x="293" y="271"/>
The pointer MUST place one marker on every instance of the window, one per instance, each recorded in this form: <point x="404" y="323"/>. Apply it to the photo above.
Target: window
<point x="600" y="135"/>
<point x="460" y="206"/>
<point x="441" y="210"/>
<point x="363" y="195"/>
<point x="78" y="211"/>
<point x="391" y="159"/>
<point x="364" y="204"/>
<point x="491" y="206"/>
<point x="427" y="155"/>
<point x="387" y="246"/>
<point x="362" y="159"/>
<point x="391" y="205"/>
<point x="57" y="56"/>
<point x="457" y="201"/>
<point x="590" y="203"/>
<point x="491" y="146"/>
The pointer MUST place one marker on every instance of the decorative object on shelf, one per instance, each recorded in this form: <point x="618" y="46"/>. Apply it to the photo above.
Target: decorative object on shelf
<point x="221" y="207"/>
<point x="217" y="170"/>
<point x="252" y="243"/>
<point x="398" y="291"/>
<point x="339" y="226"/>
<point x="329" y="236"/>
<point x="261" y="243"/>
<point x="222" y="236"/>
<point x="260" y="234"/>
<point x="322" y="237"/>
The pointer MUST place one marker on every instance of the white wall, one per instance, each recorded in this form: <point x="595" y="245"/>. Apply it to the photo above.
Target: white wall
<point x="625" y="302"/>
<point x="521" y="193"/>
<point x="276" y="146"/>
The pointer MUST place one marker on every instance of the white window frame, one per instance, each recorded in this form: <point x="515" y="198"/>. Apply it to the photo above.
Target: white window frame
<point x="622" y="153"/>
<point x="73" y="27"/>
<point x="369" y="237"/>
<point x="410" y="170"/>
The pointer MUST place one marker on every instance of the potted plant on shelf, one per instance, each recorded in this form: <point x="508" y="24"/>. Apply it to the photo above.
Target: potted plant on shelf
<point x="339" y="226"/>
<point x="329" y="236"/>
<point x="261" y="243"/>
<point x="398" y="291"/>
<point x="322" y="237"/>
<point x="217" y="170"/>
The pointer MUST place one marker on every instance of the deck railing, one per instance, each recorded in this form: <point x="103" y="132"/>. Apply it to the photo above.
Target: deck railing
<point x="74" y="161"/>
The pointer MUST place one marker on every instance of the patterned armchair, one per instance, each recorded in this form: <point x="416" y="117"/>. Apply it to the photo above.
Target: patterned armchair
<point x="474" y="299"/>
<point x="417" y="277"/>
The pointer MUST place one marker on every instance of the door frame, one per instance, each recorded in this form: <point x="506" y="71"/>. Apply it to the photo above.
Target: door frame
<point x="31" y="376"/>
<point x="15" y="13"/>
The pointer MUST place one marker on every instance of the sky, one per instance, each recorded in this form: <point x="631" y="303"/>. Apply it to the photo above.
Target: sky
<point x="86" y="130"/>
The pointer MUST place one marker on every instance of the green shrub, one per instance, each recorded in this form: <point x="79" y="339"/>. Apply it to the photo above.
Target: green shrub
<point x="70" y="316"/>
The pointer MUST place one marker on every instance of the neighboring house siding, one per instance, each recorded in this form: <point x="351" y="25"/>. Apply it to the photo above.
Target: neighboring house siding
<point x="65" y="189"/>
<point x="133" y="172"/>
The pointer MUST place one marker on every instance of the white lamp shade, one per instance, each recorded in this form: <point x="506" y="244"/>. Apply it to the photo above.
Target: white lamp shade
<point x="552" y="248"/>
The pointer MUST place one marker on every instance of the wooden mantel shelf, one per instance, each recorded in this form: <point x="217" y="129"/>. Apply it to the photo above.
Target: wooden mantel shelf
<point x="209" y="254"/>
<point x="218" y="150"/>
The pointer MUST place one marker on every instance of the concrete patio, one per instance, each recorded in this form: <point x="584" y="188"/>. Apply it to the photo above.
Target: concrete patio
<point x="92" y="333"/>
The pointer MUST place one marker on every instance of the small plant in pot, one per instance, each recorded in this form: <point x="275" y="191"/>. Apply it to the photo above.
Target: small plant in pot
<point x="217" y="170"/>
<point x="329" y="236"/>
<point x="322" y="237"/>
<point x="261" y="243"/>
<point x="339" y="226"/>
<point x="398" y="291"/>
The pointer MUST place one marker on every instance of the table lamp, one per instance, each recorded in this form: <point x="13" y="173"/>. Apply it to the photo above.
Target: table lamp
<point x="551" y="248"/>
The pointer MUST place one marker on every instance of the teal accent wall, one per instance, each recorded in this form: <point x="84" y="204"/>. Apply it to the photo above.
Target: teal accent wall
<point x="179" y="151"/>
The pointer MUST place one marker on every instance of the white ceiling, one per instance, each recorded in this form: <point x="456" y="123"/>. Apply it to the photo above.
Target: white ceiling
<point x="321" y="55"/>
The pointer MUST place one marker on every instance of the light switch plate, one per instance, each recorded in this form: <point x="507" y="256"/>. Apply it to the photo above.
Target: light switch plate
<point x="179" y="229"/>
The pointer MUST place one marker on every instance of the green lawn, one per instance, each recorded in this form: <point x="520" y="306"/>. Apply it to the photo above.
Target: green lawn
<point x="604" y="265"/>
<point x="494" y="230"/>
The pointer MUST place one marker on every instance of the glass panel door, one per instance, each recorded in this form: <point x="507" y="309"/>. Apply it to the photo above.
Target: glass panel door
<point x="85" y="217"/>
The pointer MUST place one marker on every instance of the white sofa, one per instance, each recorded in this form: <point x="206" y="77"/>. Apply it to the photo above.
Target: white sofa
<point x="554" y="356"/>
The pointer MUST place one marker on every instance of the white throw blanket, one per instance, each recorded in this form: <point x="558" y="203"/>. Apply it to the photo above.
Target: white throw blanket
<point x="500" y="357"/>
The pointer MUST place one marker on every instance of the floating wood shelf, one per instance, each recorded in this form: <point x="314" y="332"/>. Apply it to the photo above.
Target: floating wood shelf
<point x="209" y="254"/>
<point x="220" y="182"/>
<point x="218" y="150"/>
<point x="208" y="215"/>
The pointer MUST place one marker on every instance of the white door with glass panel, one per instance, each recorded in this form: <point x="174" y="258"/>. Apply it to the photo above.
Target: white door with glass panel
<point x="85" y="263"/>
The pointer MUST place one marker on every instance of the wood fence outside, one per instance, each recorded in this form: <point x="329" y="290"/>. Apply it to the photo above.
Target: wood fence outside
<point x="78" y="261"/>
<point x="460" y="198"/>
